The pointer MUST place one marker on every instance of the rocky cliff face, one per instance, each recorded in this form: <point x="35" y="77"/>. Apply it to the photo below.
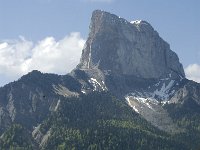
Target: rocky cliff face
<point x="128" y="48"/>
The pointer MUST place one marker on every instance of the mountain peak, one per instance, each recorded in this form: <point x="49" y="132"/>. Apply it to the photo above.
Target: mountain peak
<point x="129" y="48"/>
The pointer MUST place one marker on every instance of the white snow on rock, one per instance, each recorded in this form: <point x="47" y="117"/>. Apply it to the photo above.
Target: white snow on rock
<point x="152" y="112"/>
<point x="136" y="22"/>
<point x="83" y="91"/>
<point x="97" y="85"/>
<point x="144" y="102"/>
<point x="129" y="103"/>
<point x="149" y="103"/>
<point x="163" y="93"/>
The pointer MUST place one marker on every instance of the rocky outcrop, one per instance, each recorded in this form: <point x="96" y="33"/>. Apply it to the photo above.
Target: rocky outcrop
<point x="128" y="48"/>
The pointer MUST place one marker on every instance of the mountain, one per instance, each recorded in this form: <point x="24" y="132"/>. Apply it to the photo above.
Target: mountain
<point x="129" y="91"/>
<point x="121" y="47"/>
<point x="132" y="61"/>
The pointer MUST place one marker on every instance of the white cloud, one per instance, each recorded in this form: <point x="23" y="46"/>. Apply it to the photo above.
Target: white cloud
<point x="18" y="57"/>
<point x="193" y="72"/>
<point x="3" y="45"/>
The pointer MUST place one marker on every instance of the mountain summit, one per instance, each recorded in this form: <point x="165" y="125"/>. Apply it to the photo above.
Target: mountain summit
<point x="129" y="91"/>
<point x="129" y="48"/>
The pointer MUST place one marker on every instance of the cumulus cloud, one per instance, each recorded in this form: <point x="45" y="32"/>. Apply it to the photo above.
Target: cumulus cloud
<point x="18" y="57"/>
<point x="193" y="72"/>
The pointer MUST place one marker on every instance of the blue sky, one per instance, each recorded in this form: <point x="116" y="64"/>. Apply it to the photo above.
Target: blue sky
<point x="57" y="29"/>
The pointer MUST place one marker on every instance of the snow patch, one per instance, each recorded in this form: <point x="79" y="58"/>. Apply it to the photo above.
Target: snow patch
<point x="136" y="22"/>
<point x="132" y="106"/>
<point x="96" y="84"/>
<point x="82" y="91"/>
<point x="163" y="93"/>
<point x="142" y="102"/>
<point x="153" y="112"/>
<point x="149" y="106"/>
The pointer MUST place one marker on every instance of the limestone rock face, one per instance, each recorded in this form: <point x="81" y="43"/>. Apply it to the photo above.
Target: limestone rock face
<point x="127" y="48"/>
